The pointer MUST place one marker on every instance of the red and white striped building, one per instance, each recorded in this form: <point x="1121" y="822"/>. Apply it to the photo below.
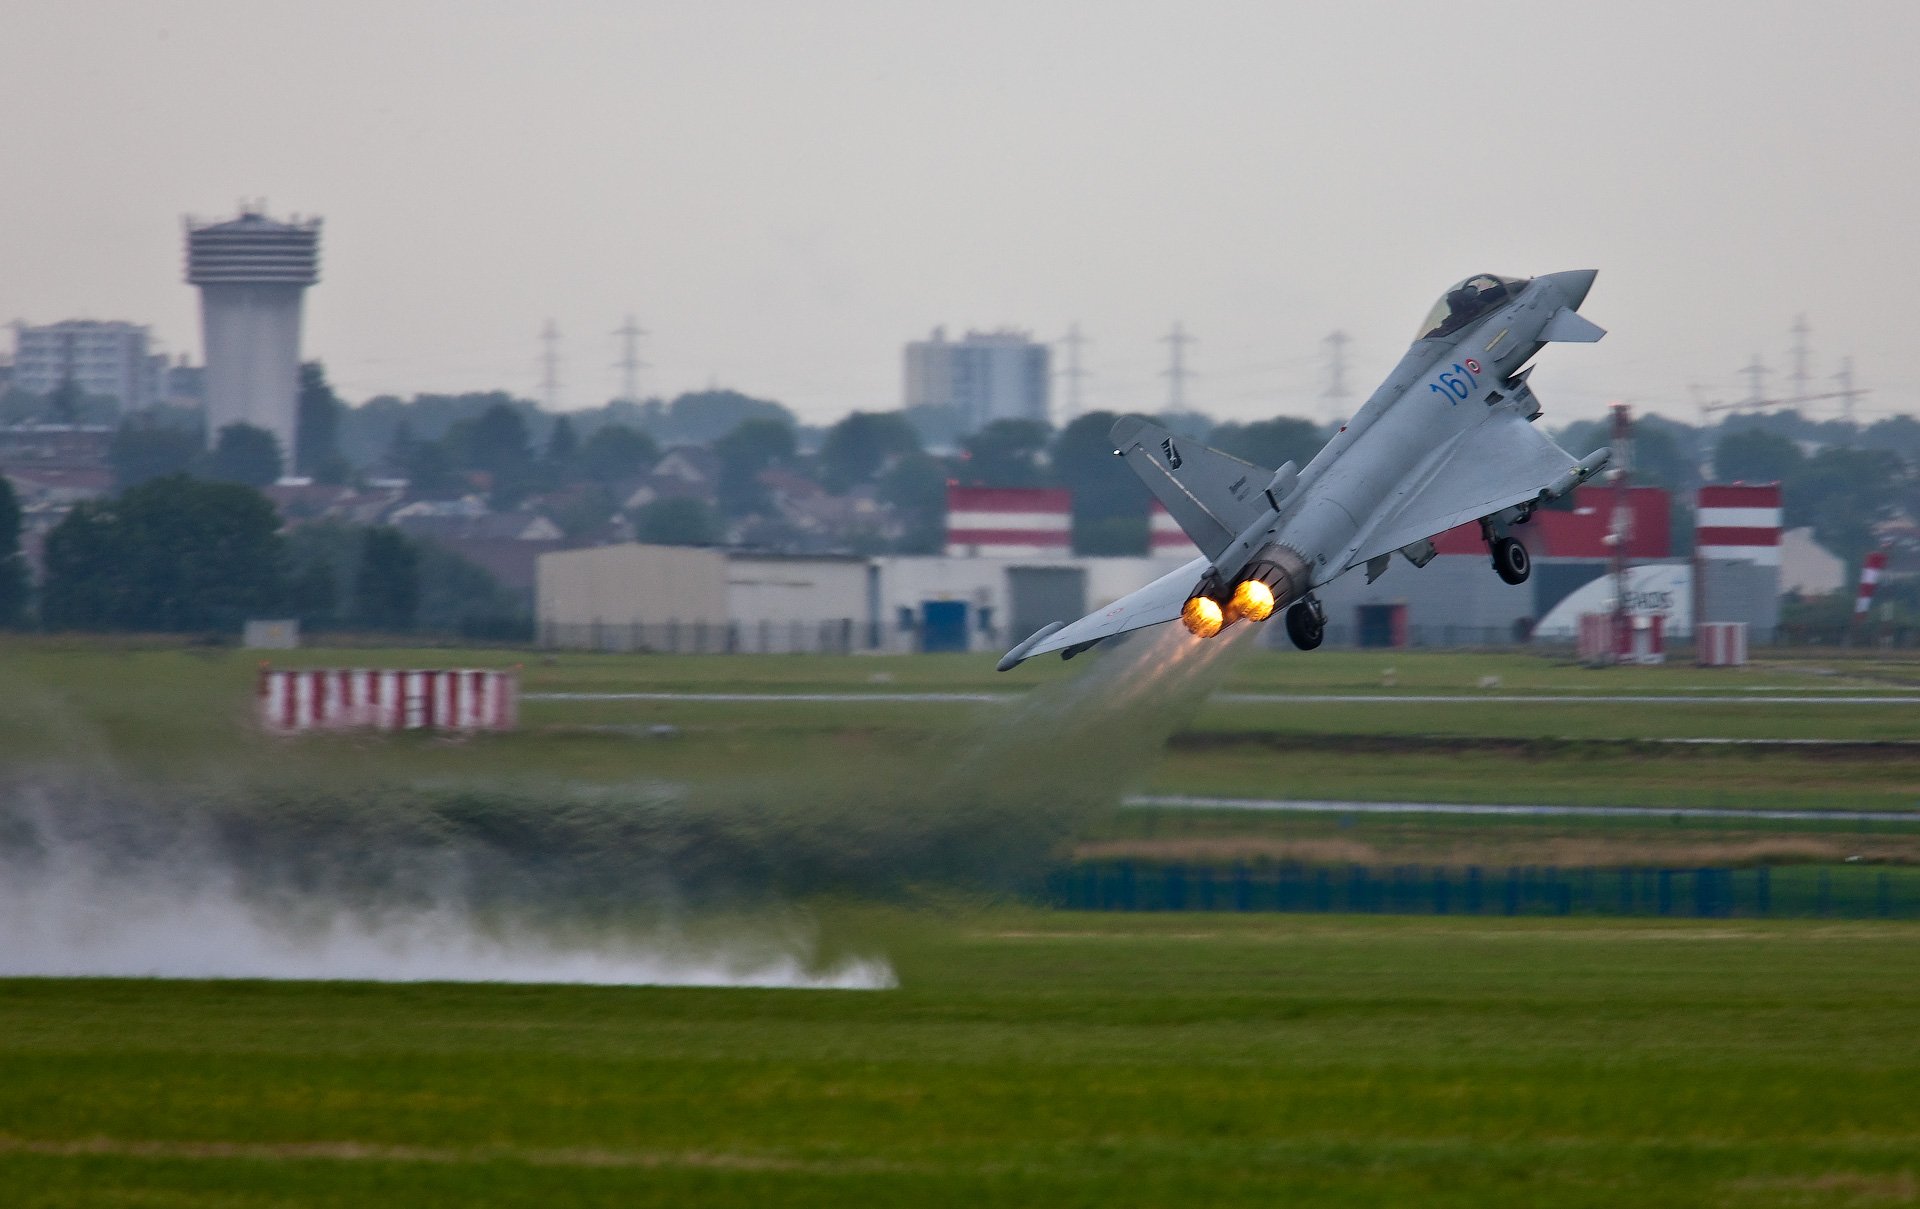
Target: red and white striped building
<point x="1009" y="522"/>
<point x="306" y="699"/>
<point x="1739" y="523"/>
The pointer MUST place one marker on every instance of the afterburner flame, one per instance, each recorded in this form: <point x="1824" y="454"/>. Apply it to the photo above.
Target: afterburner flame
<point x="1202" y="616"/>
<point x="1253" y="600"/>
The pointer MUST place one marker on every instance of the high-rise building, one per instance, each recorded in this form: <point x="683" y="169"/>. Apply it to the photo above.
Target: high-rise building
<point x="252" y="272"/>
<point x="104" y="359"/>
<point x="987" y="376"/>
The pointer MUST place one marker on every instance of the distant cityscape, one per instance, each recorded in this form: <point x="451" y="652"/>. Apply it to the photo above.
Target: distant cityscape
<point x="90" y="409"/>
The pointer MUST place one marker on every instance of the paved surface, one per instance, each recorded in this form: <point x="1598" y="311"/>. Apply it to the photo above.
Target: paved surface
<point x="1306" y="806"/>
<point x="907" y="697"/>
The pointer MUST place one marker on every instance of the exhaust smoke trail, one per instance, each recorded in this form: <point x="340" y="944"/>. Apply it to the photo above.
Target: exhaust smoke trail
<point x="109" y="884"/>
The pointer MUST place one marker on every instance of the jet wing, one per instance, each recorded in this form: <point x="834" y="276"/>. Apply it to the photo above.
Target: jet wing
<point x="1500" y="463"/>
<point x="1160" y="601"/>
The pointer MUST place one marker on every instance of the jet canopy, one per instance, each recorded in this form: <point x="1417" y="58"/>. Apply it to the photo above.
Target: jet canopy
<point x="1467" y="301"/>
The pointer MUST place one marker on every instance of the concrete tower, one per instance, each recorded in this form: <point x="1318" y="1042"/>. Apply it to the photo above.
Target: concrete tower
<point x="252" y="272"/>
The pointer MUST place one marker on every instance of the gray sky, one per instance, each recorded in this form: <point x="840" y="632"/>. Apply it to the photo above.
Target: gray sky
<point x="783" y="194"/>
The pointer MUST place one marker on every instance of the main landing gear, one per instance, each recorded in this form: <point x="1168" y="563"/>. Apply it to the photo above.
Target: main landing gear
<point x="1307" y="623"/>
<point x="1511" y="560"/>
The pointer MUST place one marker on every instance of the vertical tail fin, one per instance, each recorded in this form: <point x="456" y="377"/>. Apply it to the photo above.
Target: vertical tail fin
<point x="1212" y="495"/>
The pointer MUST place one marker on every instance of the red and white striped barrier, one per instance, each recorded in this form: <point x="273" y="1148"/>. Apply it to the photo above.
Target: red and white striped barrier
<point x="1869" y="580"/>
<point x="1721" y="643"/>
<point x="292" y="701"/>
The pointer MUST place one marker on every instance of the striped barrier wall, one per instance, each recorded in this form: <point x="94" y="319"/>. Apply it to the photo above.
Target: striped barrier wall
<point x="296" y="700"/>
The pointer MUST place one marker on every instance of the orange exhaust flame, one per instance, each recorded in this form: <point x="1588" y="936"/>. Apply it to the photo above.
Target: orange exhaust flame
<point x="1202" y="616"/>
<point x="1252" y="600"/>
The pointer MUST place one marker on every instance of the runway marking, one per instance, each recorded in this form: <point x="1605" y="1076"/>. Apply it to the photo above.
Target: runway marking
<point x="793" y="698"/>
<point x="1556" y="699"/>
<point x="1311" y="806"/>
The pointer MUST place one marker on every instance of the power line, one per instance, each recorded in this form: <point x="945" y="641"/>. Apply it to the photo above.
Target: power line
<point x="1177" y="372"/>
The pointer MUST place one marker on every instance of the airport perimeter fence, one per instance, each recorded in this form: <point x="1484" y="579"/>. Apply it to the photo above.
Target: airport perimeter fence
<point x="835" y="636"/>
<point x="1763" y="892"/>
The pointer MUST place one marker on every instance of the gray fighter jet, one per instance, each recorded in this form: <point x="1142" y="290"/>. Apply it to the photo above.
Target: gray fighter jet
<point x="1446" y="439"/>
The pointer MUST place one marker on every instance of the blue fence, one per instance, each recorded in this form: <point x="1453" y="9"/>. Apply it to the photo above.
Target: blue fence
<point x="1843" y="892"/>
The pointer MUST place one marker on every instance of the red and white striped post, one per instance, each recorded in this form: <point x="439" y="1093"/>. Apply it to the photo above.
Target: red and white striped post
<point x="1870" y="571"/>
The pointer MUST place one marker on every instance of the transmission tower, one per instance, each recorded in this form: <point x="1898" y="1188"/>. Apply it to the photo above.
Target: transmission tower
<point x="550" y="366"/>
<point x="1847" y="392"/>
<point x="630" y="363"/>
<point x="1757" y="378"/>
<point x="1337" y="391"/>
<point x="1800" y="331"/>
<point x="1177" y="372"/>
<point x="1073" y="341"/>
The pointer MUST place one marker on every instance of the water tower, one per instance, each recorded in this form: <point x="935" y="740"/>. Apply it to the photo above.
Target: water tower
<point x="252" y="272"/>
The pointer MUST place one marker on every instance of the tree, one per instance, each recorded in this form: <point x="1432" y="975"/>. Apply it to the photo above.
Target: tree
<point x="617" y="452"/>
<point x="860" y="446"/>
<point x="916" y="487"/>
<point x="316" y="437"/>
<point x="172" y="554"/>
<point x="496" y="443"/>
<point x="1841" y="493"/>
<point x="1755" y="456"/>
<point x="142" y="451"/>
<point x="752" y="447"/>
<point x="386" y="588"/>
<point x="1109" y="501"/>
<point x="13" y="566"/>
<point x="245" y="454"/>
<point x="563" y="450"/>
<point x="1006" y="453"/>
<point x="702" y="417"/>
<point x="1270" y="443"/>
<point x="677" y="522"/>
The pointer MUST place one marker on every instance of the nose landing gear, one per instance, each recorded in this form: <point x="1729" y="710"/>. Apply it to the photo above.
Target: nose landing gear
<point x="1307" y="623"/>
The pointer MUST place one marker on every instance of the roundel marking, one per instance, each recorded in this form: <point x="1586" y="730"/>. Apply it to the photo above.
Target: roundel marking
<point x="1473" y="367"/>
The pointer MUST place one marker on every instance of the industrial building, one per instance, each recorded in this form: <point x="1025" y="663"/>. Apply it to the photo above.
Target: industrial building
<point x="104" y="359"/>
<point x="253" y="273"/>
<point x="986" y="376"/>
<point x="1007" y="573"/>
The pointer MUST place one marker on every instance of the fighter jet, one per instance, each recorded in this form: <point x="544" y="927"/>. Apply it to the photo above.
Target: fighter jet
<point x="1446" y="439"/>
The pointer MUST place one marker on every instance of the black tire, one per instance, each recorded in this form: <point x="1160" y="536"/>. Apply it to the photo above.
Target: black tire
<point x="1511" y="561"/>
<point x="1305" y="626"/>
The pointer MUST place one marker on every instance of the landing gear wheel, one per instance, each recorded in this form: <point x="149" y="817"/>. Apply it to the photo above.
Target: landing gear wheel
<point x="1511" y="561"/>
<point x="1307" y="624"/>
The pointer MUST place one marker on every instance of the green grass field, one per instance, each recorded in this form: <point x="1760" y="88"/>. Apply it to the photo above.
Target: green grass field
<point x="1024" y="1059"/>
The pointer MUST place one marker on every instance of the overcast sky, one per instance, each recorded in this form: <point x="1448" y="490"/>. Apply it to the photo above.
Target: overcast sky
<point x="783" y="194"/>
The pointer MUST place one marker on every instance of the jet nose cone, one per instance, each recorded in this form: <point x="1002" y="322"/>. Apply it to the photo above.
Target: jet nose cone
<point x="1574" y="284"/>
